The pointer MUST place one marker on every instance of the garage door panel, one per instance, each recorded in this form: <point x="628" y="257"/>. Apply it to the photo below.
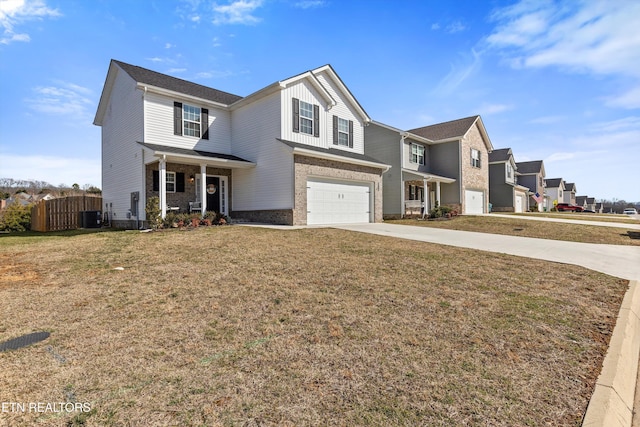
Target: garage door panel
<point x="473" y="202"/>
<point x="337" y="202"/>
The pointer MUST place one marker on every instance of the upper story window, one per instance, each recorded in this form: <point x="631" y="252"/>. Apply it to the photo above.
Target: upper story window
<point x="342" y="132"/>
<point x="306" y="118"/>
<point x="189" y="120"/>
<point x="475" y="158"/>
<point x="417" y="154"/>
<point x="509" y="171"/>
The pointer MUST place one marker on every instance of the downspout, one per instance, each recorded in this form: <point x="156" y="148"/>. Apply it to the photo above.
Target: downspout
<point x="402" y="138"/>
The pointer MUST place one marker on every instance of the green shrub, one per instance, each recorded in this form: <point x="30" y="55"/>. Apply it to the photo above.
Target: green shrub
<point x="16" y="217"/>
<point x="152" y="209"/>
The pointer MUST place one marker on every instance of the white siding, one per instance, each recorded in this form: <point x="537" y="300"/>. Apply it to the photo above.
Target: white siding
<point x="269" y="185"/>
<point x="304" y="91"/>
<point x="122" y="169"/>
<point x="159" y="126"/>
<point x="344" y="110"/>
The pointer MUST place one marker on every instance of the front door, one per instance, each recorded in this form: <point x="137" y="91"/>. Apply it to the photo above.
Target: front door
<point x="213" y="194"/>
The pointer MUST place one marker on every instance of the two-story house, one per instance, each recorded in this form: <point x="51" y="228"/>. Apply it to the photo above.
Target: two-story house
<point x="290" y="153"/>
<point x="445" y="163"/>
<point x="555" y="190"/>
<point x="569" y="193"/>
<point x="505" y="194"/>
<point x="531" y="175"/>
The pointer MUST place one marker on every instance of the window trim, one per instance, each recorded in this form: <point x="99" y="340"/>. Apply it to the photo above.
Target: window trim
<point x="344" y="133"/>
<point x="173" y="181"/>
<point x="417" y="154"/>
<point x="476" y="162"/>
<point x="186" y="111"/>
<point x="304" y="118"/>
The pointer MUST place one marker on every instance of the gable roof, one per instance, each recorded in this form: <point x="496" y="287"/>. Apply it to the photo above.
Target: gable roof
<point x="570" y="186"/>
<point x="534" y="166"/>
<point x="553" y="182"/>
<point x="500" y="155"/>
<point x="454" y="129"/>
<point x="153" y="78"/>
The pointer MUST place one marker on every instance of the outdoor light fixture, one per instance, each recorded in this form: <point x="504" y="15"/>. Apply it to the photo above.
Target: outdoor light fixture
<point x="191" y="179"/>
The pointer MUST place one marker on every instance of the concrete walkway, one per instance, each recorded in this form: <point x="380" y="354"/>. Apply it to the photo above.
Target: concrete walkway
<point x="614" y="400"/>
<point x="631" y="224"/>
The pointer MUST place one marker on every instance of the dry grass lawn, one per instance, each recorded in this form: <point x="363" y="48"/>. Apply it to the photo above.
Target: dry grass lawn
<point x="539" y="229"/>
<point x="583" y="216"/>
<point x="237" y="326"/>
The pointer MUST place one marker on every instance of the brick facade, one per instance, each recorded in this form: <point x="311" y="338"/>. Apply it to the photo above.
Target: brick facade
<point x="306" y="167"/>
<point x="182" y="199"/>
<point x="474" y="178"/>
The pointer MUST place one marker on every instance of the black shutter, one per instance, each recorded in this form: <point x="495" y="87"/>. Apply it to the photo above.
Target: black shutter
<point x="316" y="121"/>
<point x="180" y="182"/>
<point x="335" y="130"/>
<point x="479" y="159"/>
<point x="177" y="118"/>
<point x="204" y="123"/>
<point x="296" y="115"/>
<point x="350" y="133"/>
<point x="156" y="181"/>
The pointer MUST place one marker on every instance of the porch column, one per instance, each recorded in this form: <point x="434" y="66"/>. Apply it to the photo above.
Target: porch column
<point x="203" y="188"/>
<point x="425" y="196"/>
<point x="438" y="193"/>
<point x="162" y="175"/>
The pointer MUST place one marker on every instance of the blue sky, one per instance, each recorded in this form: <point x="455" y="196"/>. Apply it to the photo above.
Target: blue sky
<point x="555" y="81"/>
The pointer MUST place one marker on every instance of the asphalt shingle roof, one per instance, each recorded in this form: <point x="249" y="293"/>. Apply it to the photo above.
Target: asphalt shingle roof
<point x="534" y="166"/>
<point x="188" y="152"/>
<point x="153" y="78"/>
<point x="453" y="129"/>
<point x="332" y="151"/>
<point x="500" y="155"/>
<point x="553" y="182"/>
<point x="570" y="186"/>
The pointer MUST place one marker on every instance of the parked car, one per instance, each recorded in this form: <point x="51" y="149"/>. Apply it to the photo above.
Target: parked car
<point x="588" y="211"/>
<point x="630" y="211"/>
<point x="561" y="207"/>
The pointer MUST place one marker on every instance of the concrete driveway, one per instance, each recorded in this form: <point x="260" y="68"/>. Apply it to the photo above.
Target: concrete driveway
<point x="618" y="261"/>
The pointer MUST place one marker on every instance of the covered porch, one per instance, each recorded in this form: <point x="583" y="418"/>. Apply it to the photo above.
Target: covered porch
<point x="190" y="181"/>
<point x="421" y="192"/>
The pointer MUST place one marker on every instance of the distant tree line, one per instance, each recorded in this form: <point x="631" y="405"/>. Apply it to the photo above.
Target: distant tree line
<point x="10" y="186"/>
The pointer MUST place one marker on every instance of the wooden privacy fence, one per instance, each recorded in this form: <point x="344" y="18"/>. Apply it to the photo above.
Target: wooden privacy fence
<point x="63" y="213"/>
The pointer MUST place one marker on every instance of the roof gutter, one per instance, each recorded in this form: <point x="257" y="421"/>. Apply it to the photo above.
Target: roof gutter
<point x="338" y="158"/>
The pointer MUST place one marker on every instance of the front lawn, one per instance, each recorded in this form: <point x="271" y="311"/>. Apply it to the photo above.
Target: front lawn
<point x="245" y="326"/>
<point x="516" y="226"/>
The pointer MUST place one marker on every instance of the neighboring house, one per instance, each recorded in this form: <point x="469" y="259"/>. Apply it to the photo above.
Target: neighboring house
<point x="531" y="175"/>
<point x="581" y="201"/>
<point x="599" y="207"/>
<point x="445" y="163"/>
<point x="569" y="193"/>
<point x="555" y="190"/>
<point x="505" y="194"/>
<point x="590" y="203"/>
<point x="290" y="153"/>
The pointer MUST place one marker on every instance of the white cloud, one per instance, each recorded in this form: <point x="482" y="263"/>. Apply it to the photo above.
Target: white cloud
<point x="488" y="109"/>
<point x="547" y="120"/>
<point x="435" y="26"/>
<point x="596" y="37"/>
<point x="309" y="4"/>
<point x="629" y="99"/>
<point x="237" y="12"/>
<point x="14" y="13"/>
<point x="63" y="99"/>
<point x="52" y="169"/>
<point x="458" y="74"/>
<point x="176" y="70"/>
<point x="456" y="27"/>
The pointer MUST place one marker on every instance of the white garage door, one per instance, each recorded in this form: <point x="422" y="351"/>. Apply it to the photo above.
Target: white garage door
<point x="338" y="202"/>
<point x="519" y="203"/>
<point x="473" y="202"/>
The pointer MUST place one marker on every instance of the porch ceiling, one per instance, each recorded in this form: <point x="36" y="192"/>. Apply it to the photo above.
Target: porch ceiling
<point x="409" y="175"/>
<point x="195" y="157"/>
